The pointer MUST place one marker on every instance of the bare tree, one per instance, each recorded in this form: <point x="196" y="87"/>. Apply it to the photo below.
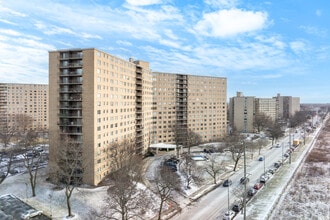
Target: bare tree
<point x="179" y="133"/>
<point x="189" y="171"/>
<point x="275" y="132"/>
<point x="214" y="168"/>
<point x="261" y="142"/>
<point x="6" y="161"/>
<point x="166" y="182"/>
<point x="235" y="143"/>
<point x="68" y="168"/>
<point x="261" y="121"/>
<point x="32" y="157"/>
<point x="298" y="118"/>
<point x="193" y="139"/>
<point x="125" y="198"/>
<point x="6" y="131"/>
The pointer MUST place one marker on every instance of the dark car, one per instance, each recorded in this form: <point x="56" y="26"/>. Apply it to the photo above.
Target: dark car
<point x="244" y="180"/>
<point x="251" y="192"/>
<point x="261" y="158"/>
<point x="237" y="207"/>
<point x="227" y="183"/>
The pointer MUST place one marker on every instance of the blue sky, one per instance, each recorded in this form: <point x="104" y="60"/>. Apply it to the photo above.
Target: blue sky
<point x="262" y="47"/>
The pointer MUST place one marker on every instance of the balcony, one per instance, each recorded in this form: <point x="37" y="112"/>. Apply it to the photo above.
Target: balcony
<point x="71" y="106"/>
<point x="71" y="65"/>
<point x="66" y="56"/>
<point x="71" y="81"/>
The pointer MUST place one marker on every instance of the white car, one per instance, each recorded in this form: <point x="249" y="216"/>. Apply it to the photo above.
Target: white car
<point x="30" y="213"/>
<point x="229" y="215"/>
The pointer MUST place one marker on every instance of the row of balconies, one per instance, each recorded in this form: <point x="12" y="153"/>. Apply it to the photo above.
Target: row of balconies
<point x="75" y="80"/>
<point x="71" y="65"/>
<point x="76" y="55"/>
<point x="70" y="106"/>
<point x="71" y="90"/>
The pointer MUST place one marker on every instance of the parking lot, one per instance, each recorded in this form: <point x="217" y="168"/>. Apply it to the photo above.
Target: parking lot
<point x="12" y="207"/>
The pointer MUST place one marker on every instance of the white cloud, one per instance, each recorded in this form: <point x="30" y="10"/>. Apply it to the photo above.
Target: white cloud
<point x="298" y="47"/>
<point x="124" y="43"/>
<point x="143" y="2"/>
<point x="7" y="21"/>
<point x="222" y="3"/>
<point x="314" y="31"/>
<point x="4" y="10"/>
<point x="10" y="32"/>
<point x="225" y="23"/>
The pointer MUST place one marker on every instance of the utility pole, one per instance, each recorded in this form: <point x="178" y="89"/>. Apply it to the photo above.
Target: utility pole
<point x="244" y="198"/>
<point x="228" y="199"/>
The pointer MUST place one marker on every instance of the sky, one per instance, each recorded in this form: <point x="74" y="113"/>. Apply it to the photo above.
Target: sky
<point x="262" y="47"/>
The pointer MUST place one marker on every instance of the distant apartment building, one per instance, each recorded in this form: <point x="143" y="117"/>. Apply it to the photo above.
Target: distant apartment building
<point x="242" y="109"/>
<point x="24" y="100"/>
<point x="195" y="103"/>
<point x="287" y="106"/>
<point x="241" y="112"/>
<point x="97" y="99"/>
<point x="266" y="106"/>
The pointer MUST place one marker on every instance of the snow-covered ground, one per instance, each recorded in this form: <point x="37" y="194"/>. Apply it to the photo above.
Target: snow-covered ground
<point x="308" y="196"/>
<point x="85" y="199"/>
<point x="291" y="195"/>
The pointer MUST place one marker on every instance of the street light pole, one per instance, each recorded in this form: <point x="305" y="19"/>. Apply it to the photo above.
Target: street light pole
<point x="228" y="199"/>
<point x="244" y="198"/>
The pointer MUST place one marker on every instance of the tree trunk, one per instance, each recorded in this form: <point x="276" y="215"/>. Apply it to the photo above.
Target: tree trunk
<point x="160" y="210"/>
<point x="236" y="162"/>
<point x="68" y="204"/>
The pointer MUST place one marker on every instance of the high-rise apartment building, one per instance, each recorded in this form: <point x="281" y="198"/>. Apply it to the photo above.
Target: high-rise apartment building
<point x="24" y="100"/>
<point x="266" y="106"/>
<point x="241" y="112"/>
<point x="242" y="109"/>
<point x="188" y="102"/>
<point x="97" y="99"/>
<point x="287" y="106"/>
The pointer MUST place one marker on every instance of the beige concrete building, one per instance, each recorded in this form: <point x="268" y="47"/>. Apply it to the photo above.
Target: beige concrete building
<point x="196" y="103"/>
<point x="241" y="112"/>
<point x="287" y="106"/>
<point x="98" y="99"/>
<point x="266" y="106"/>
<point x="24" y="99"/>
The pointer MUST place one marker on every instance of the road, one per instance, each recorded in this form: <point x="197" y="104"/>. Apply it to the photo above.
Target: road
<point x="214" y="204"/>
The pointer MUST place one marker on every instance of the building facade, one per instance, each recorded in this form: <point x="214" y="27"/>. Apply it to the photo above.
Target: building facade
<point x="266" y="106"/>
<point x="241" y="112"/>
<point x="195" y="103"/>
<point x="287" y="106"/>
<point x="97" y="99"/>
<point x="20" y="100"/>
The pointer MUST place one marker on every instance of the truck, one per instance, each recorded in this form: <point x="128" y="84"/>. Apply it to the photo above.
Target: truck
<point x="296" y="142"/>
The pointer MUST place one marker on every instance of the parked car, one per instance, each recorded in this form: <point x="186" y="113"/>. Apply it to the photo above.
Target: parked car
<point x="251" y="192"/>
<point x="278" y="145"/>
<point x="257" y="186"/>
<point x="244" y="180"/>
<point x="277" y="164"/>
<point x="30" y="213"/>
<point x="263" y="178"/>
<point x="271" y="171"/>
<point x="261" y="158"/>
<point x="227" y="183"/>
<point x="237" y="207"/>
<point x="228" y="215"/>
<point x="14" y="171"/>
